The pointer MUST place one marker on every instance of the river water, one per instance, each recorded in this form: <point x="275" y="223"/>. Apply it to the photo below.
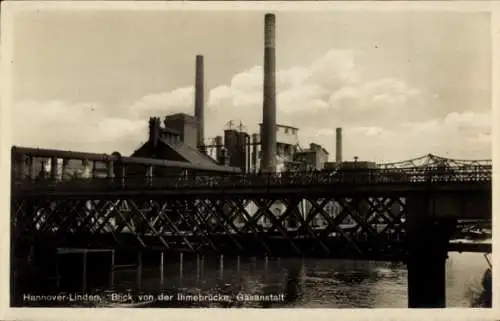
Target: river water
<point x="293" y="283"/>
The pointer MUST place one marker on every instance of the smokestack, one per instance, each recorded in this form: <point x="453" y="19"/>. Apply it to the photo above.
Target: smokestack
<point x="338" y="145"/>
<point x="268" y="133"/>
<point x="199" y="99"/>
<point x="154" y="130"/>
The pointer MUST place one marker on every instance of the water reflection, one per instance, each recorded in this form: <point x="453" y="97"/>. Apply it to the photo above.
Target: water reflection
<point x="293" y="285"/>
<point x="303" y="283"/>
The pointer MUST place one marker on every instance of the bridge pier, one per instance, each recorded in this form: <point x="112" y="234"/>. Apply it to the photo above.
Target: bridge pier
<point x="221" y="266"/>
<point x="162" y="275"/>
<point x="428" y="239"/>
<point x="426" y="269"/>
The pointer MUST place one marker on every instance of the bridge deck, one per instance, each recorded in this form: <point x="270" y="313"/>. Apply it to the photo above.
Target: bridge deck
<point x="371" y="181"/>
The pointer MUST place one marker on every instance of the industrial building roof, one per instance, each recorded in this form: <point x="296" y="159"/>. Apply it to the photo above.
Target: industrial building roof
<point x="180" y="152"/>
<point x="313" y="150"/>
<point x="190" y="154"/>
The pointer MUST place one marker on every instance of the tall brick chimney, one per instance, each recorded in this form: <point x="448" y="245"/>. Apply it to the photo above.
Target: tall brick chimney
<point x="154" y="130"/>
<point x="338" y="145"/>
<point x="199" y="101"/>
<point x="268" y="133"/>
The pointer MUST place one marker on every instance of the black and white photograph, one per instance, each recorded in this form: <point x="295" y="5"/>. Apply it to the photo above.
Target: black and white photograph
<point x="267" y="157"/>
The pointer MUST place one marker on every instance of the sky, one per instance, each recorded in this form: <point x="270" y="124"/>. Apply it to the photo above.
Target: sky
<point x="400" y="84"/>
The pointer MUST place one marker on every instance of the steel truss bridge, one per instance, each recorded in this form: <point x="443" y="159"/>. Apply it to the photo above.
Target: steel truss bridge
<point x="358" y="213"/>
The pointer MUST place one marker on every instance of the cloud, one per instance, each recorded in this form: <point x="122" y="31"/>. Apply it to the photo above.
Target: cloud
<point x="329" y="89"/>
<point x="292" y="77"/>
<point x="175" y="101"/>
<point x="81" y="127"/>
<point x="384" y="119"/>
<point x="458" y="135"/>
<point x="335" y="69"/>
<point x="250" y="81"/>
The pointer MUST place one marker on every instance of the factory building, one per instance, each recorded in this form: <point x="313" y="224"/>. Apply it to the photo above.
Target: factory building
<point x="313" y="158"/>
<point x="287" y="141"/>
<point x="287" y="144"/>
<point x="237" y="147"/>
<point x="170" y="144"/>
<point x="245" y="151"/>
<point x="181" y="138"/>
<point x="185" y="127"/>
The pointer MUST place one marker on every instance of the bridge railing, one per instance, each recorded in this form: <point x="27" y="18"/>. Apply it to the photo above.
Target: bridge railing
<point x="290" y="179"/>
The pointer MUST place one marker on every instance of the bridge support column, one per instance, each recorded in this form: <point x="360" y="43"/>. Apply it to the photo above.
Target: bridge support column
<point x="428" y="238"/>
<point x="123" y="173"/>
<point x="42" y="173"/>
<point x="85" y="165"/>
<point x="161" y="268"/>
<point x="221" y="266"/>
<point x="32" y="167"/>
<point x="53" y="167"/>
<point x="149" y="175"/>
<point x="111" y="169"/>
<point x="23" y="171"/>
<point x="64" y="170"/>
<point x="94" y="169"/>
